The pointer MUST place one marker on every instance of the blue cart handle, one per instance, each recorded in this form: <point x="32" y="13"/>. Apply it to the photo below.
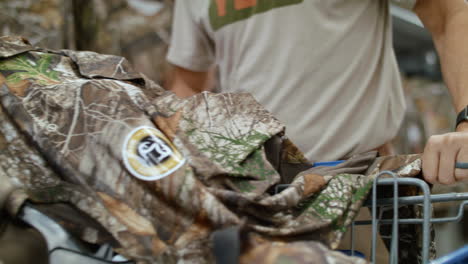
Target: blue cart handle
<point x="328" y="163"/>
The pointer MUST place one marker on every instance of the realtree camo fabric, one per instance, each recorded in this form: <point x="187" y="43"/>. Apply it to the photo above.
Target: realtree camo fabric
<point x="67" y="120"/>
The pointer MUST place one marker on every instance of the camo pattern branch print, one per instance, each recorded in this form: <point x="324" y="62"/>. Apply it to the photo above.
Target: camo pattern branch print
<point x="64" y="120"/>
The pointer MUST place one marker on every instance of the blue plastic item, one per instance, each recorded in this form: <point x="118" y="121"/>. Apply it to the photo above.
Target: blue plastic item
<point x="356" y="253"/>
<point x="328" y="163"/>
<point x="457" y="257"/>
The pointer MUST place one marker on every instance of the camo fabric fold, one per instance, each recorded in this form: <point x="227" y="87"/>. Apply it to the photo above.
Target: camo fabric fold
<point x="159" y="173"/>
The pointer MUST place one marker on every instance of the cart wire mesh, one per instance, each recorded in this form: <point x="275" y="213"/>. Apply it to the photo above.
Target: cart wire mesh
<point x="426" y="200"/>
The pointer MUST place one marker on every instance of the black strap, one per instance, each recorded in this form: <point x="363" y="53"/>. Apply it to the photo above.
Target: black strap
<point x="462" y="116"/>
<point x="227" y="245"/>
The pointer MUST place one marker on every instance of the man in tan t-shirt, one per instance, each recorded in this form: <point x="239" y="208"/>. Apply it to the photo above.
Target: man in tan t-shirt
<point x="325" y="68"/>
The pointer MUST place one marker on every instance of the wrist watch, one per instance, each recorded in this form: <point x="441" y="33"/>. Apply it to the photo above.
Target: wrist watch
<point x="462" y="116"/>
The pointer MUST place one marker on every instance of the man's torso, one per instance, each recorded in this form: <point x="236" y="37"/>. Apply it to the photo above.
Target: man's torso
<point x="325" y="68"/>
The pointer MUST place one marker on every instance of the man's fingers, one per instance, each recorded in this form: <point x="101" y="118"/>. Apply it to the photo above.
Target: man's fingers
<point x="447" y="165"/>
<point x="441" y="155"/>
<point x="462" y="157"/>
<point x="430" y="160"/>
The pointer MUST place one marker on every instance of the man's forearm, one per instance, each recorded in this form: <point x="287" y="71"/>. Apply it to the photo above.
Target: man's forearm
<point x="453" y="50"/>
<point x="447" y="20"/>
<point x="185" y="83"/>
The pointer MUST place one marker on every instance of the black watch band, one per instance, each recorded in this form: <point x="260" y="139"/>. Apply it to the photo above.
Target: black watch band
<point x="462" y="116"/>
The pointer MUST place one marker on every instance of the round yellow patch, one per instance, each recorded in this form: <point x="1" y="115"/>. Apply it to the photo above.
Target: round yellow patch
<point x="149" y="155"/>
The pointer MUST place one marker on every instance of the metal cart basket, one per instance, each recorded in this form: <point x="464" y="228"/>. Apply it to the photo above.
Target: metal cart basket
<point x="426" y="200"/>
<point x="65" y="247"/>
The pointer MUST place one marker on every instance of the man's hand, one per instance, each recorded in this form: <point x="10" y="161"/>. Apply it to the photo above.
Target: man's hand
<point x="447" y="20"/>
<point x="441" y="154"/>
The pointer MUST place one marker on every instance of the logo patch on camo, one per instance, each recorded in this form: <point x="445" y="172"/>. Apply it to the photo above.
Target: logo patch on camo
<point x="149" y="155"/>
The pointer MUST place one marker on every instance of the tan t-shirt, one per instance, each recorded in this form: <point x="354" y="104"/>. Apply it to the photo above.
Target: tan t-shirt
<point x="325" y="68"/>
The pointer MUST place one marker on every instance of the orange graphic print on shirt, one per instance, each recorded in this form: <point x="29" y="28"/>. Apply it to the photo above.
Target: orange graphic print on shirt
<point x="241" y="4"/>
<point x="225" y="12"/>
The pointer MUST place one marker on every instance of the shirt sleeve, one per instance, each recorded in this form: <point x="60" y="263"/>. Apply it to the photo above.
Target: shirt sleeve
<point x="408" y="4"/>
<point x="191" y="47"/>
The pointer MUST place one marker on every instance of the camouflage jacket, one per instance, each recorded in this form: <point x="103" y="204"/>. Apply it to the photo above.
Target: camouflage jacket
<point x="158" y="174"/>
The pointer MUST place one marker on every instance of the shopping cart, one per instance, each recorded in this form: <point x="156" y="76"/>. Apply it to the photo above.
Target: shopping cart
<point x="426" y="200"/>
<point x="63" y="248"/>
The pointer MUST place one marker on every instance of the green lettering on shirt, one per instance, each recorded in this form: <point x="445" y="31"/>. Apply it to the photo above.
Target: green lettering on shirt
<point x="225" y="12"/>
